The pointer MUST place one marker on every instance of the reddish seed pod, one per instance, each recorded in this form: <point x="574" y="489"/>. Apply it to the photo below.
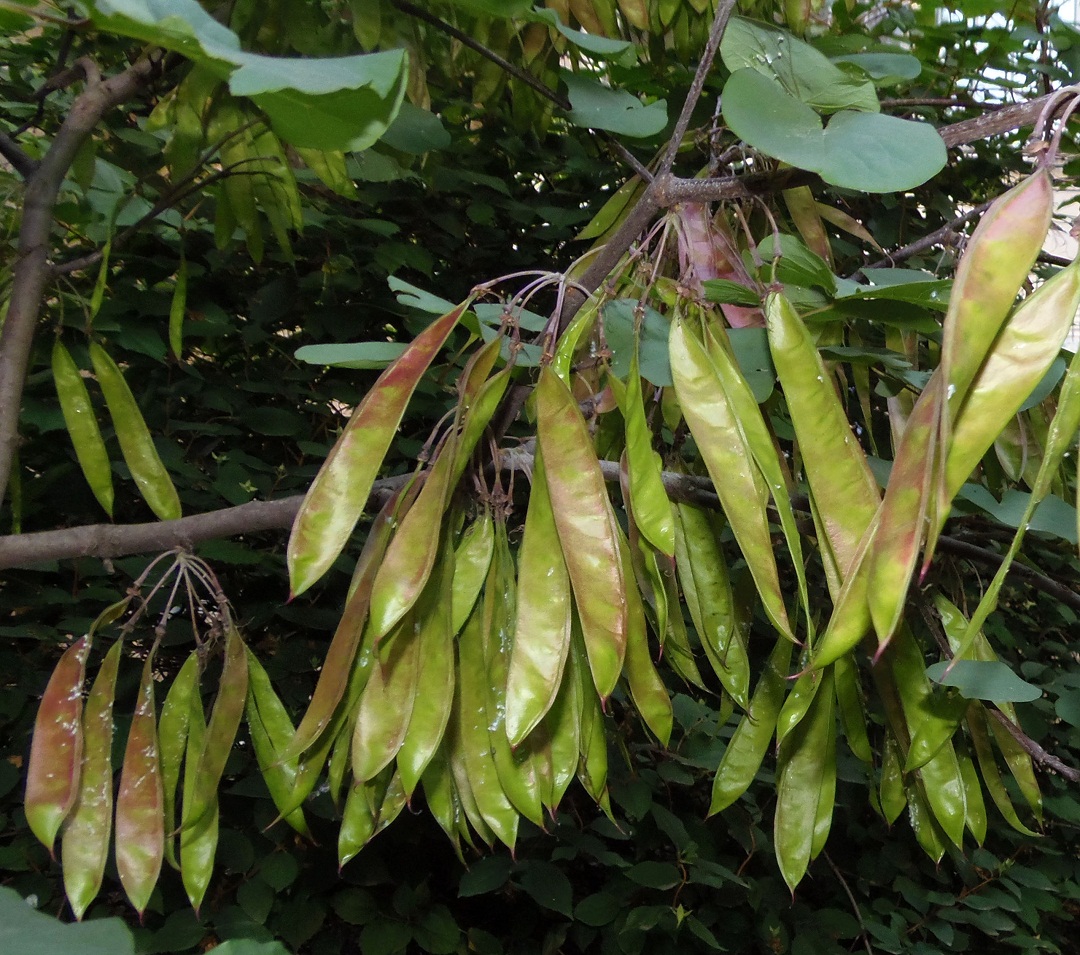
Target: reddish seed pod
<point x="52" y="778"/>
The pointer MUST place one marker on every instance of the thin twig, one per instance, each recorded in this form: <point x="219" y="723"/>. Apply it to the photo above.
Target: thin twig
<point x="175" y="196"/>
<point x="851" y="898"/>
<point x="946" y="235"/>
<point x="1029" y="575"/>
<point x="1048" y="258"/>
<point x="1033" y="749"/>
<point x="682" y="124"/>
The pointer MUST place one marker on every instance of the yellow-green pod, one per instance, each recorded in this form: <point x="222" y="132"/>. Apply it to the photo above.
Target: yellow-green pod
<point x="82" y="426"/>
<point x="136" y="444"/>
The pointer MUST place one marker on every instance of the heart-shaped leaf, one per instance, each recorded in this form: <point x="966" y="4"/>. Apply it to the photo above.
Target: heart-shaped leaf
<point x="984" y="680"/>
<point x="865" y="151"/>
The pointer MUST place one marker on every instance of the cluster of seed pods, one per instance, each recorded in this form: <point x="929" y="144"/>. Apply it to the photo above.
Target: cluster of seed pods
<point x="478" y="649"/>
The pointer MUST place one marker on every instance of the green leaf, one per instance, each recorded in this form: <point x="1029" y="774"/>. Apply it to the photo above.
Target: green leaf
<point x="602" y="46"/>
<point x="351" y="355"/>
<point x="181" y="931"/>
<point x="495" y="8"/>
<point x="877" y="153"/>
<point x="330" y="103"/>
<point x="598" y="909"/>
<point x="276" y="422"/>
<point x="1048" y="384"/>
<point x="865" y="151"/>
<point x="415" y="297"/>
<point x="1067" y="708"/>
<point x="548" y="886"/>
<point x="485" y="875"/>
<point x="600" y="107"/>
<point x="248" y="946"/>
<point x="350" y="118"/>
<point x="802" y="71"/>
<point x="652" y="347"/>
<point x="256" y="898"/>
<point x="797" y="265"/>
<point x="25" y="930"/>
<point x="761" y="112"/>
<point x="751" y="348"/>
<point x="898" y="285"/>
<point x="984" y="680"/>
<point x="355" y="906"/>
<point x="491" y="314"/>
<point x="885" y="69"/>
<point x="732" y="293"/>
<point x="437" y="932"/>
<point x="1052" y="515"/>
<point x="279" y="870"/>
<point x="417" y="131"/>
<point x="384" y="937"/>
<point x="654" y="875"/>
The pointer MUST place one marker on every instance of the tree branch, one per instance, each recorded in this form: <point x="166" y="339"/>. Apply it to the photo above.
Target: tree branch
<point x="943" y="236"/>
<point x="1039" y="581"/>
<point x="22" y="163"/>
<point x="30" y="271"/>
<point x="993" y="122"/>
<point x="1033" y="749"/>
<point x="116" y="540"/>
<point x="716" y="34"/>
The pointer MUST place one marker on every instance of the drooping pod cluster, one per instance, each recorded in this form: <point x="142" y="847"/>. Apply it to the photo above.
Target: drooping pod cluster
<point x="166" y="798"/>
<point x="485" y="631"/>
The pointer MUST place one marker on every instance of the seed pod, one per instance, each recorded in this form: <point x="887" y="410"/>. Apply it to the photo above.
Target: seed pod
<point x="904" y="511"/>
<point x="434" y="694"/>
<point x="995" y="264"/>
<point x="759" y="440"/>
<point x="339" y="664"/>
<point x="410" y="556"/>
<point x="582" y="514"/>
<point x="337" y="496"/>
<point x="984" y="752"/>
<point x="56" y="751"/>
<point x="386" y="703"/>
<point x="892" y="796"/>
<point x="471" y="562"/>
<point x="172" y="741"/>
<point x="703" y="572"/>
<point x="845" y="492"/>
<point x="178" y="308"/>
<point x="140" y="819"/>
<point x="850" y="704"/>
<point x="136" y="444"/>
<point x="473" y="766"/>
<point x="647" y="689"/>
<point x="943" y="786"/>
<point x="82" y="426"/>
<point x="221" y="731"/>
<point x="750" y="741"/>
<point x="542" y="629"/>
<point x="647" y="494"/>
<point x="271" y="730"/>
<point x="198" y="834"/>
<point x="88" y="827"/>
<point x="976" y="806"/>
<point x="737" y="480"/>
<point x="516" y="768"/>
<point x="593" y="765"/>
